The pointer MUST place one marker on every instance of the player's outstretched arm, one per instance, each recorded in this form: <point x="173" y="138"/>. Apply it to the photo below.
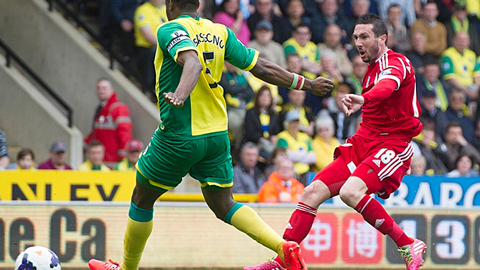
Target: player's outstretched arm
<point x="274" y="74"/>
<point x="190" y="74"/>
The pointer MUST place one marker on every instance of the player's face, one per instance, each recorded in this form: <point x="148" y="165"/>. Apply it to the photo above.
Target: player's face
<point x="368" y="46"/>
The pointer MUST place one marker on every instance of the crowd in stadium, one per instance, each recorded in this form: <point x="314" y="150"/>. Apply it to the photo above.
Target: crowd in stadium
<point x="270" y="124"/>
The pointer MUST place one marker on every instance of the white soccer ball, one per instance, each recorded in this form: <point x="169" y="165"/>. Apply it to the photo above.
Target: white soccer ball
<point x="37" y="258"/>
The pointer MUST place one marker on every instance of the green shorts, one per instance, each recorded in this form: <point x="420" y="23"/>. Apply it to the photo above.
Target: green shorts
<point x="165" y="161"/>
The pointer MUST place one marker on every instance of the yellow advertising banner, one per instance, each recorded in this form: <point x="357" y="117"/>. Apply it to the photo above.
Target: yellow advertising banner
<point x="66" y="186"/>
<point x="188" y="236"/>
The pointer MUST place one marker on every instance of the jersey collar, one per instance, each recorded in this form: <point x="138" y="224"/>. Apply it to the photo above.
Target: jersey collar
<point x="386" y="51"/>
<point x="188" y="16"/>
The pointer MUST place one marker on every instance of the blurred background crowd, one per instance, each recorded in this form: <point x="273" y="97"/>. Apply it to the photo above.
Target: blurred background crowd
<point x="280" y="137"/>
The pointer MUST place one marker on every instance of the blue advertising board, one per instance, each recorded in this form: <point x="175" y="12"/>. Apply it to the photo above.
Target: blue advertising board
<point x="432" y="192"/>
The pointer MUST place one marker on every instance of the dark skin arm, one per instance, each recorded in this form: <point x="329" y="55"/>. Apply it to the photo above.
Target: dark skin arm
<point x="191" y="71"/>
<point x="274" y="74"/>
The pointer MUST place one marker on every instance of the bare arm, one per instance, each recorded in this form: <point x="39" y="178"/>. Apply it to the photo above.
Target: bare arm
<point x="191" y="71"/>
<point x="274" y="74"/>
<point x="148" y="35"/>
<point x="4" y="161"/>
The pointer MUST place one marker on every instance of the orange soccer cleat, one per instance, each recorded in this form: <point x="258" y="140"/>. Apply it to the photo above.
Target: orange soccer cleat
<point x="99" y="265"/>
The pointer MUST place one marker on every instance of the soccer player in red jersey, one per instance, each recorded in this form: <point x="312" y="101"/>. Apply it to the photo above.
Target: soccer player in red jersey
<point x="376" y="158"/>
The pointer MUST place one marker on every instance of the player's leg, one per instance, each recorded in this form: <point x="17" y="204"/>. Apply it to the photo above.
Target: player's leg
<point x="364" y="181"/>
<point x="325" y="184"/>
<point x="139" y="226"/>
<point x="140" y="223"/>
<point x="215" y="173"/>
<point x="155" y="176"/>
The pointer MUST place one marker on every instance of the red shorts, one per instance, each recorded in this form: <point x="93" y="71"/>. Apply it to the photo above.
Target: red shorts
<point x="380" y="164"/>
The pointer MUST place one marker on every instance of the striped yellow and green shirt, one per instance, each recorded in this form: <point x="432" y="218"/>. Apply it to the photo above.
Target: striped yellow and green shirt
<point x="204" y="112"/>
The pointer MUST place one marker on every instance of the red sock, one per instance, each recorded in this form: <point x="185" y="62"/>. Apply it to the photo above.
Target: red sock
<point x="374" y="213"/>
<point x="299" y="225"/>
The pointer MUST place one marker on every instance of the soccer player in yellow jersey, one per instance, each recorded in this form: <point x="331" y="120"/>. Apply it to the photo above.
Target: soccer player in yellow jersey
<point x="192" y="137"/>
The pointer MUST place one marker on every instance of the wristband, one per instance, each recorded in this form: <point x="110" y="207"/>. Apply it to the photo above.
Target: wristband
<point x="298" y="82"/>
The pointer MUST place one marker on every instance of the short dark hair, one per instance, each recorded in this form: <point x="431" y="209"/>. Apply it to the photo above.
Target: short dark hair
<point x="187" y="4"/>
<point x="379" y="26"/>
<point x="451" y="125"/>
<point x="94" y="143"/>
<point x="393" y="6"/>
<point x="25" y="152"/>
<point x="302" y="24"/>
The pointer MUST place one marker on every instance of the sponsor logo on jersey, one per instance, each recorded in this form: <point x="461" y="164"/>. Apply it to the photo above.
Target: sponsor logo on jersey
<point x="377" y="162"/>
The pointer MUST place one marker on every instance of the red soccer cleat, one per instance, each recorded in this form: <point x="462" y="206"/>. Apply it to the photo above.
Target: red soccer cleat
<point x="293" y="256"/>
<point x="412" y="254"/>
<point x="99" y="265"/>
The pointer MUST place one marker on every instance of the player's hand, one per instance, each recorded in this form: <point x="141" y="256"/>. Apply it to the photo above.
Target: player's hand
<point x="172" y="99"/>
<point x="352" y="103"/>
<point x="321" y="86"/>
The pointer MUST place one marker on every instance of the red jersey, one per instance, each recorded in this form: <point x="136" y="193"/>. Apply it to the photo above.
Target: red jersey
<point x="390" y="112"/>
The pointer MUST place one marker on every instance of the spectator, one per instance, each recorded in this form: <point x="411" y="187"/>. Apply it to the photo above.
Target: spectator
<point x="329" y="14"/>
<point x="459" y="22"/>
<point x="4" y="156"/>
<point x="417" y="54"/>
<point x="476" y="140"/>
<point x="429" y="144"/>
<point x="418" y="166"/>
<point x="264" y="44"/>
<point x="355" y="79"/>
<point x="95" y="155"/>
<point x="237" y="94"/>
<point x="329" y="69"/>
<point x="296" y="102"/>
<point x="294" y="64"/>
<point x="408" y="16"/>
<point x="431" y="112"/>
<point x="463" y="167"/>
<point x="435" y="31"/>
<point x="231" y="16"/>
<point x="26" y="159"/>
<point x="281" y="186"/>
<point x="247" y="177"/>
<point x="148" y="17"/>
<point x="277" y="154"/>
<point x="457" y="111"/>
<point x="457" y="145"/>
<point x="298" y="145"/>
<point x="430" y="81"/>
<point x="333" y="45"/>
<point x="294" y="15"/>
<point x="122" y="12"/>
<point x="133" y="149"/>
<point x="264" y="11"/>
<point x="262" y="123"/>
<point x="324" y="143"/>
<point x="460" y="66"/>
<point x="401" y="42"/>
<point x="58" y="158"/>
<point x="306" y="49"/>
<point x="112" y="125"/>
<point x="345" y="126"/>
<point x="359" y="8"/>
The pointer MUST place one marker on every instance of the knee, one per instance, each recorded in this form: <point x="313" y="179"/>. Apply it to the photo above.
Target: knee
<point x="350" y="196"/>
<point x="315" y="194"/>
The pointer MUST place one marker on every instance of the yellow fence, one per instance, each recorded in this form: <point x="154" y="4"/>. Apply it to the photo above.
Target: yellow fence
<point x="81" y="186"/>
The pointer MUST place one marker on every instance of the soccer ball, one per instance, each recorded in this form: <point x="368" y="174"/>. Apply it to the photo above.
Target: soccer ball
<point x="37" y="258"/>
